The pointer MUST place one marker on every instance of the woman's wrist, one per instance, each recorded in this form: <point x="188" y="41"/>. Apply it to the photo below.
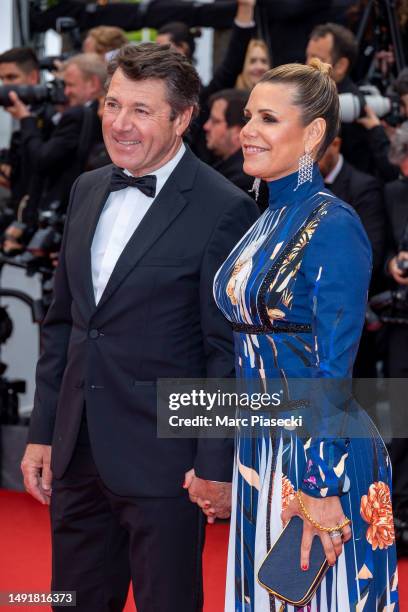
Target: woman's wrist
<point x="306" y="514"/>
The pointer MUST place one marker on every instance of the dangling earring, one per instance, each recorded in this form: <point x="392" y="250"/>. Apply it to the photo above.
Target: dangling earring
<point x="255" y="188"/>
<point x="305" y="170"/>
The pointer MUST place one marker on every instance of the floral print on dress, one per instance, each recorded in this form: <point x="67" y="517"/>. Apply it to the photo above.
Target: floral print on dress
<point x="288" y="492"/>
<point x="376" y="510"/>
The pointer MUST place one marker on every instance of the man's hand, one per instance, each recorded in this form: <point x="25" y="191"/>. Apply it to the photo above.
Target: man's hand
<point x="35" y="466"/>
<point x="396" y="273"/>
<point x="18" y="109"/>
<point x="370" y="120"/>
<point x="245" y="11"/>
<point x="214" y="498"/>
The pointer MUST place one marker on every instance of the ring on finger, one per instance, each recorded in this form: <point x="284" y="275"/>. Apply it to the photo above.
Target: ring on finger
<point x="335" y="534"/>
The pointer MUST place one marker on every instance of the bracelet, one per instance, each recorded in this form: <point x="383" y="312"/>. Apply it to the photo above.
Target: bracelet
<point x="315" y="524"/>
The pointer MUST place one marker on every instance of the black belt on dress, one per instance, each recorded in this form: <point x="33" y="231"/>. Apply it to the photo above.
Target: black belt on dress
<point x="288" y="328"/>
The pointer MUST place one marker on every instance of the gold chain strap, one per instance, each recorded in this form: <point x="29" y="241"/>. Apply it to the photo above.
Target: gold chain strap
<point x="315" y="524"/>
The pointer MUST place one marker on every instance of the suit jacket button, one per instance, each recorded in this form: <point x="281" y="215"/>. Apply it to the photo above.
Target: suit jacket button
<point x="93" y="334"/>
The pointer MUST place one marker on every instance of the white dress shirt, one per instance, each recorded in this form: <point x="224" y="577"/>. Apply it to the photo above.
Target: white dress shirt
<point x="119" y="219"/>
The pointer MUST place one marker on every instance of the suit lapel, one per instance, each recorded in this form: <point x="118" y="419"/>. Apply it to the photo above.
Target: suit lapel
<point x="165" y="208"/>
<point x="97" y="198"/>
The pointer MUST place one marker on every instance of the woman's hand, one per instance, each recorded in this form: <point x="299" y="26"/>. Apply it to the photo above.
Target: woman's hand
<point x="328" y="513"/>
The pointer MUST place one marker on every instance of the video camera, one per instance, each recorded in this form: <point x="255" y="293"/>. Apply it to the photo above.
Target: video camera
<point x="45" y="241"/>
<point x="69" y="25"/>
<point x="390" y="306"/>
<point x="64" y="25"/>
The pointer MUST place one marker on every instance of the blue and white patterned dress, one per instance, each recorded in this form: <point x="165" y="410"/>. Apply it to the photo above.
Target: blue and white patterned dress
<point x="295" y="290"/>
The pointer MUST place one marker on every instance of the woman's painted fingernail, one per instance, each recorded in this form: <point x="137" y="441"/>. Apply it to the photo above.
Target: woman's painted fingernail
<point x="305" y="567"/>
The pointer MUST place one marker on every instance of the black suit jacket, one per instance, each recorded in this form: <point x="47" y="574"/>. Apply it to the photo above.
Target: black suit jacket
<point x="231" y="168"/>
<point x="156" y="319"/>
<point x="365" y="194"/>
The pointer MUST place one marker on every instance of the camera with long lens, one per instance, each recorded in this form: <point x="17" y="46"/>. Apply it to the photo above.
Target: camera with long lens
<point x="391" y="306"/>
<point x="46" y="240"/>
<point x="52" y="93"/>
<point x="386" y="107"/>
<point x="69" y="25"/>
<point x="64" y="25"/>
<point x="48" y="62"/>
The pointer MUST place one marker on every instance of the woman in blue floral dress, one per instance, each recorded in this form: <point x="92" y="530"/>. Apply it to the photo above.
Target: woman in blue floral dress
<point x="295" y="290"/>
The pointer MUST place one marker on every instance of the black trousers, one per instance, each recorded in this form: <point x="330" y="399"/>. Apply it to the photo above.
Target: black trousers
<point x="101" y="541"/>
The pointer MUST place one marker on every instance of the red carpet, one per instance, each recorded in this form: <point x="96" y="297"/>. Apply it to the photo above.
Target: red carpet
<point x="25" y="554"/>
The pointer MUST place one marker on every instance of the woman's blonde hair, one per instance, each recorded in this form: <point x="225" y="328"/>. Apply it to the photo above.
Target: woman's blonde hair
<point x="107" y="38"/>
<point x="315" y="93"/>
<point x="242" y="81"/>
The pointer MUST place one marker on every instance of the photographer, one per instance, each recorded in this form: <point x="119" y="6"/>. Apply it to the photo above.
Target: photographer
<point x="337" y="45"/>
<point x="379" y="140"/>
<point x="396" y="198"/>
<point x="61" y="158"/>
<point x="19" y="67"/>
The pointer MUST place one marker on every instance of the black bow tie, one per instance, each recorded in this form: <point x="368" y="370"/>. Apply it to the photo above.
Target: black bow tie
<point x="120" y="180"/>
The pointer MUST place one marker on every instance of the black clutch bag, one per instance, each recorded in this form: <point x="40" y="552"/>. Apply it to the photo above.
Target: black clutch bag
<point x="281" y="574"/>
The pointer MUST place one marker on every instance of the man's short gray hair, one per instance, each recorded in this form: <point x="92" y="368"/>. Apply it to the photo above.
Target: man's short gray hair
<point x="399" y="145"/>
<point x="90" y="64"/>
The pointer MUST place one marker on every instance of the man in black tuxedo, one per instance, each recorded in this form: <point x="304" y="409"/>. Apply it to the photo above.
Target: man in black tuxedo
<point x="133" y="303"/>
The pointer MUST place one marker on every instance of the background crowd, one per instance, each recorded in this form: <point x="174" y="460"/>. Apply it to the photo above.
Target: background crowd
<point x="57" y="136"/>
